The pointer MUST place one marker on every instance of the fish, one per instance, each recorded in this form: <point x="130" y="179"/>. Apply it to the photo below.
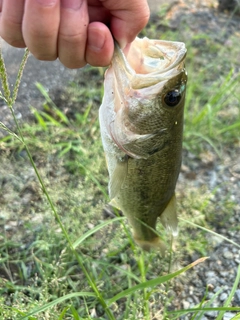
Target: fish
<point x="141" y="125"/>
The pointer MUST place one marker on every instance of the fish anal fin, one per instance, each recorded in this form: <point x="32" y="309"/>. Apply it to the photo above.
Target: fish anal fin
<point x="114" y="204"/>
<point x="169" y="217"/>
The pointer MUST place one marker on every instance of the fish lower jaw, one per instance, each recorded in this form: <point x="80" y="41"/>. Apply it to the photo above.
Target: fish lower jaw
<point x="155" y="244"/>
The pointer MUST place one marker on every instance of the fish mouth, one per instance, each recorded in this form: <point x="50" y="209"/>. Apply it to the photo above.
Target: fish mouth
<point x="150" y="61"/>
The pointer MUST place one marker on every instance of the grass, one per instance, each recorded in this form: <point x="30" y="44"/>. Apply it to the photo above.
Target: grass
<point x="60" y="258"/>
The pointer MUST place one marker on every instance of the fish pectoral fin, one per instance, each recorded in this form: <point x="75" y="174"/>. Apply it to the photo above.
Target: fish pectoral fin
<point x="145" y="145"/>
<point x="129" y="142"/>
<point x="169" y="217"/>
<point x="117" y="178"/>
<point x="114" y="204"/>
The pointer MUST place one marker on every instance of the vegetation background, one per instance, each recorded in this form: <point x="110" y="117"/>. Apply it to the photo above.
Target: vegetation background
<point x="63" y="253"/>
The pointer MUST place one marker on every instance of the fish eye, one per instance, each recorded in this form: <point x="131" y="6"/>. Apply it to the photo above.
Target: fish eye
<point x="172" y="98"/>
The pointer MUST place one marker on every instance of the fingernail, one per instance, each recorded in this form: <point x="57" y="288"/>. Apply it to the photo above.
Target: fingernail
<point x="47" y="2"/>
<point x="95" y="40"/>
<point x="71" y="4"/>
<point x="122" y="43"/>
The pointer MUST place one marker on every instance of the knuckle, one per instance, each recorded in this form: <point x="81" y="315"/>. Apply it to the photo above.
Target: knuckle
<point x="72" y="63"/>
<point x="72" y="58"/>
<point x="72" y="37"/>
<point x="11" y="32"/>
<point x="44" y="56"/>
<point x="41" y="34"/>
<point x="17" y="43"/>
<point x="76" y="65"/>
<point x="71" y="48"/>
<point x="11" y="22"/>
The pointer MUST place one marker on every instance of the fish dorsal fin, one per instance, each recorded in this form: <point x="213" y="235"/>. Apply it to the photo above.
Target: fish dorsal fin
<point x="117" y="178"/>
<point x="169" y="217"/>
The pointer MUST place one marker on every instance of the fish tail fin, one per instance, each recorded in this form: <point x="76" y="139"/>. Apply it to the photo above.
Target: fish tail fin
<point x="169" y="217"/>
<point x="155" y="243"/>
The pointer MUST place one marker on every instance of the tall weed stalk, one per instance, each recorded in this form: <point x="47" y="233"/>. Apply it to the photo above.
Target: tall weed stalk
<point x="10" y="98"/>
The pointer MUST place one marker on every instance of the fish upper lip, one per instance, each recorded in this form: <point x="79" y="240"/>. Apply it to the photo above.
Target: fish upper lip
<point x="158" y="74"/>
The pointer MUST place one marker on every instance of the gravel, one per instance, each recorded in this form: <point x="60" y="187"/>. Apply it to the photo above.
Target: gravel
<point x="219" y="271"/>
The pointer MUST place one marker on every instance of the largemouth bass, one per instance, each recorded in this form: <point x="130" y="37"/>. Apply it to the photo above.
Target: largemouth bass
<point x="141" y="122"/>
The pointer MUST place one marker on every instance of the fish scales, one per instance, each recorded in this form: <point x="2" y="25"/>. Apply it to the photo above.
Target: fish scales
<point x="141" y="122"/>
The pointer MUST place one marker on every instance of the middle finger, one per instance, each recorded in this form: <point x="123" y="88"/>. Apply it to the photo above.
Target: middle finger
<point x="73" y="33"/>
<point x="40" y="27"/>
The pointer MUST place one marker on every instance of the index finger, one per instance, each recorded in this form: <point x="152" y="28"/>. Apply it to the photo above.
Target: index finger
<point x="128" y="18"/>
<point x="11" y="22"/>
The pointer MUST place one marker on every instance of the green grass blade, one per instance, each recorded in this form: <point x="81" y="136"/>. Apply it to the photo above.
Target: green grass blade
<point x="51" y="119"/>
<point x="65" y="149"/>
<point x="86" y="113"/>
<point x="228" y="300"/>
<point x="204" y="138"/>
<point x="61" y="115"/>
<point x="44" y="92"/>
<point x="39" y="118"/>
<point x="129" y="274"/>
<point x="95" y="229"/>
<point x="206" y="305"/>
<point x="153" y="282"/>
<point x="62" y="314"/>
<point x="58" y="112"/>
<point x="237" y="317"/>
<point x="57" y="301"/>
<point x="2" y="126"/>
<point x="210" y="231"/>
<point x="95" y="180"/>
<point x="74" y="313"/>
<point x="224" y="309"/>
<point x="231" y="127"/>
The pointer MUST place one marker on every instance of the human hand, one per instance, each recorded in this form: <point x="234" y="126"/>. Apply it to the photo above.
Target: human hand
<point x="75" y="31"/>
